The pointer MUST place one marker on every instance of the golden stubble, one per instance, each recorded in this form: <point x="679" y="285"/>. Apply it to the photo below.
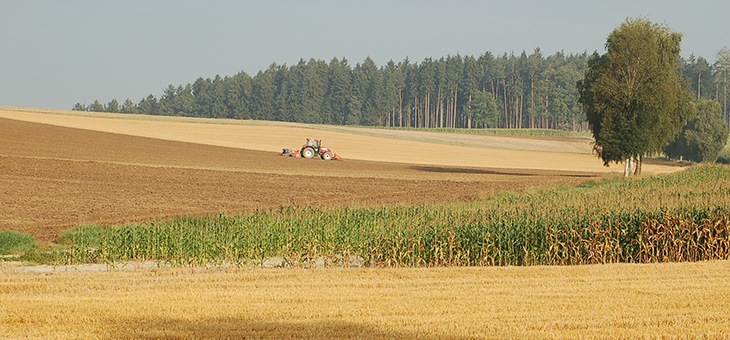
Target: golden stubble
<point x="599" y="301"/>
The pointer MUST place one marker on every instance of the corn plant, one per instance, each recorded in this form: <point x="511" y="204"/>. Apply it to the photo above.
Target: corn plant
<point x="676" y="217"/>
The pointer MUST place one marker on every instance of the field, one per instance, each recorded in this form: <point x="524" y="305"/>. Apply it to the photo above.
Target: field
<point x="109" y="170"/>
<point x="59" y="170"/>
<point x="603" y="301"/>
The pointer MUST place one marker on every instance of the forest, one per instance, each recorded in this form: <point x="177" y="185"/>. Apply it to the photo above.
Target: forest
<point x="488" y="91"/>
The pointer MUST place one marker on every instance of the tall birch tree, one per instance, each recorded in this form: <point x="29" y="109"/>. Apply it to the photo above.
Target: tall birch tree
<point x="634" y="97"/>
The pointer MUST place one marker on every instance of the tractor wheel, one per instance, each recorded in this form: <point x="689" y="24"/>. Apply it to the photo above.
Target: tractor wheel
<point x="307" y="152"/>
<point x="327" y="156"/>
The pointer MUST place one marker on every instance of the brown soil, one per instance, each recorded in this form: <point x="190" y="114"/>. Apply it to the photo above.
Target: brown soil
<point x="380" y="145"/>
<point x="53" y="178"/>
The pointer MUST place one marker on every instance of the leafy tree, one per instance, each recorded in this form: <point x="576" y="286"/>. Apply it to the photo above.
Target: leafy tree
<point x="634" y="97"/>
<point x="704" y="136"/>
<point x="483" y="110"/>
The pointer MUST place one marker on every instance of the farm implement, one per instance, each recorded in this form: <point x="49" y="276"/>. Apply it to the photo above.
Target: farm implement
<point x="312" y="149"/>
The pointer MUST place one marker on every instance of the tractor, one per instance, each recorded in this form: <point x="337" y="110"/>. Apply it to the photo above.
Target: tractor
<point x="314" y="148"/>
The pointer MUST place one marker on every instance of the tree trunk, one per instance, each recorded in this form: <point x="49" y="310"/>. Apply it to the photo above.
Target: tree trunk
<point x="448" y="112"/>
<point x="725" y="109"/>
<point x="699" y="85"/>
<point x="639" y="160"/>
<point x="444" y="115"/>
<point x="456" y="92"/>
<point x="629" y="166"/>
<point x="453" y="112"/>
<point x="393" y="117"/>
<point x="520" y="106"/>
<point x="440" y="112"/>
<point x="506" y="116"/>
<point x="427" y="111"/>
<point x="400" y="107"/>
<point x="532" y="100"/>
<point x="416" y="116"/>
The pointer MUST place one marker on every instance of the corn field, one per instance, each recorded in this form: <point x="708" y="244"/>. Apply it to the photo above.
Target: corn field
<point x="677" y="217"/>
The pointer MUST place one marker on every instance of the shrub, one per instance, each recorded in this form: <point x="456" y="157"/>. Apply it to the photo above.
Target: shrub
<point x="14" y="242"/>
<point x="704" y="136"/>
<point x="724" y="156"/>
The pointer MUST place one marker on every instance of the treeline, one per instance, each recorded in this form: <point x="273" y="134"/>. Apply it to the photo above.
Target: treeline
<point x="504" y="91"/>
<point x="709" y="81"/>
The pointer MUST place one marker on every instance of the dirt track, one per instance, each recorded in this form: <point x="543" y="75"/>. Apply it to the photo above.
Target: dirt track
<point x="53" y="178"/>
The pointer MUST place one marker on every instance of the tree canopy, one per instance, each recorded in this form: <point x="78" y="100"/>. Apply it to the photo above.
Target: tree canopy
<point x="519" y="91"/>
<point x="634" y="97"/>
<point x="703" y="137"/>
<point x="529" y="91"/>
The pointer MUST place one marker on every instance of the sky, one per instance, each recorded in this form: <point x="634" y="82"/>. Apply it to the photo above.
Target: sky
<point x="54" y="54"/>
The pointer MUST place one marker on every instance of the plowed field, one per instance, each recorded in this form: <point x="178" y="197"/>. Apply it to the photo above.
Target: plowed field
<point x="58" y="170"/>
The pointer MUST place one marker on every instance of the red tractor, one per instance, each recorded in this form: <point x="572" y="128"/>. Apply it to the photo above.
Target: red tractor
<point x="314" y="148"/>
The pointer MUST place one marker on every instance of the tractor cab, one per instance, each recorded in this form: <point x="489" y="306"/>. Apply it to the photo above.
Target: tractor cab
<point x="314" y="143"/>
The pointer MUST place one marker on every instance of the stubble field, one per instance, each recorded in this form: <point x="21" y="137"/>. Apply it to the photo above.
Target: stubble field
<point x="58" y="170"/>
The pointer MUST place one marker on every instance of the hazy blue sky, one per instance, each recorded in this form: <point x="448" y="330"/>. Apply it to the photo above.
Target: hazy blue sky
<point x="57" y="53"/>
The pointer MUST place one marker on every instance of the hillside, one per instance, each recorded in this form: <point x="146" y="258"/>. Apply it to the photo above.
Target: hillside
<point x="413" y="147"/>
<point x="59" y="170"/>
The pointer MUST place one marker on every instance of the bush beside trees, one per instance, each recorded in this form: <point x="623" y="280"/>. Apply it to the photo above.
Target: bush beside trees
<point x="703" y="137"/>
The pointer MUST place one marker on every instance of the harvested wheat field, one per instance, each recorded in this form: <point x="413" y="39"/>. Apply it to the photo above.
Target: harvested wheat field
<point x="662" y="301"/>
<point x="59" y="169"/>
